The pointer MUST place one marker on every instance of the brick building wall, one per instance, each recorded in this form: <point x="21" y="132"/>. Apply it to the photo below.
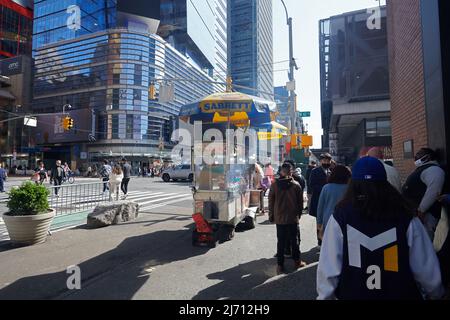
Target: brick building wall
<point x="406" y="80"/>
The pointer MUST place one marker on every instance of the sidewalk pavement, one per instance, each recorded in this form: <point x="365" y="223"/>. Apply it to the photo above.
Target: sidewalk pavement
<point x="143" y="259"/>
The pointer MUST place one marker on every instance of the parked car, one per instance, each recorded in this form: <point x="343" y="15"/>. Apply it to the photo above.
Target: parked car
<point x="181" y="172"/>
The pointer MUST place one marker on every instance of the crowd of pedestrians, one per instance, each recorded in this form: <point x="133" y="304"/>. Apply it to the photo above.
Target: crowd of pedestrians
<point x="378" y="238"/>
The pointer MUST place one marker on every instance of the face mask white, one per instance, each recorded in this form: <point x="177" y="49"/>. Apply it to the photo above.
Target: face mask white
<point x="421" y="161"/>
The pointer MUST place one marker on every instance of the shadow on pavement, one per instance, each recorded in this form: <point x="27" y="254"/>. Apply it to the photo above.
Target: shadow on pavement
<point x="249" y="281"/>
<point x="116" y="274"/>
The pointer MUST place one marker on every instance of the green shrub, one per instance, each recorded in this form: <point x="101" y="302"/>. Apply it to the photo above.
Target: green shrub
<point x="28" y="199"/>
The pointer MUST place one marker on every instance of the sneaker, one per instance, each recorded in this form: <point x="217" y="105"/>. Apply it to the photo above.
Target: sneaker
<point x="299" y="264"/>
<point x="280" y="270"/>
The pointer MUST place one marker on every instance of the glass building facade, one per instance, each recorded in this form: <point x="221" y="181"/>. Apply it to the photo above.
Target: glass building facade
<point x="198" y="29"/>
<point x="16" y="28"/>
<point x="251" y="46"/>
<point x="110" y="72"/>
<point x="109" y="69"/>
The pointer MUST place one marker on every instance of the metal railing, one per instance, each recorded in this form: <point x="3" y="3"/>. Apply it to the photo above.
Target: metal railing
<point x="76" y="198"/>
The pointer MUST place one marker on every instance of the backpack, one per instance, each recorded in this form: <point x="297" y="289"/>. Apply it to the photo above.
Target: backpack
<point x="105" y="172"/>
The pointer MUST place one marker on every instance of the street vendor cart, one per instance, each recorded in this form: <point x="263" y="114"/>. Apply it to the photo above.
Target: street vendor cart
<point x="222" y="188"/>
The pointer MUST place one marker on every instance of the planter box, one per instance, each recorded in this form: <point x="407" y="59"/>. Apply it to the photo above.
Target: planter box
<point x="28" y="230"/>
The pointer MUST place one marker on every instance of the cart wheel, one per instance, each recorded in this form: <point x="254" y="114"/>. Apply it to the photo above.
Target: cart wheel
<point x="213" y="243"/>
<point x="249" y="222"/>
<point x="194" y="238"/>
<point x="231" y="234"/>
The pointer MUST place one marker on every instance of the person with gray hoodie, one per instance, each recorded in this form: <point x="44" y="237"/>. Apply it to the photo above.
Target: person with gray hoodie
<point x="424" y="187"/>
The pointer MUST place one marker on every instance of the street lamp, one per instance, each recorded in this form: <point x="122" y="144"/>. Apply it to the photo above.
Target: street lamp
<point x="64" y="107"/>
<point x="292" y="65"/>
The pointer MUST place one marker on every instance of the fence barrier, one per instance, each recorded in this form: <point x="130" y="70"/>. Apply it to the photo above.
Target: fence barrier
<point x="75" y="198"/>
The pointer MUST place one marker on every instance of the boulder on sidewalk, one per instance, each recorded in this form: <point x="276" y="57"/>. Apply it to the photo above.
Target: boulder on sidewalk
<point x="110" y="213"/>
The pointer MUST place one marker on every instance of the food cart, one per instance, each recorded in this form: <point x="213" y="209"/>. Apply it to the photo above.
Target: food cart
<point x="222" y="188"/>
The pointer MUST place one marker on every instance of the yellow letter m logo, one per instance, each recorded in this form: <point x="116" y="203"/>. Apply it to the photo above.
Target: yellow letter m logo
<point x="356" y="239"/>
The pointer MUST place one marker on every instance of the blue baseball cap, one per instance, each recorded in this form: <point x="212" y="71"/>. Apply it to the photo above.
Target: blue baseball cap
<point x="369" y="169"/>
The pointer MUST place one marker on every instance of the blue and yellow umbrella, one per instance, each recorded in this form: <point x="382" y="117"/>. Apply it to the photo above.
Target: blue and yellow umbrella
<point x="237" y="108"/>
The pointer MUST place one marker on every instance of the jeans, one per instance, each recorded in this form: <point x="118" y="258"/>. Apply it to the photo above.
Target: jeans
<point x="124" y="185"/>
<point x="431" y="224"/>
<point x="2" y="185"/>
<point x="57" y="182"/>
<point x="105" y="184"/>
<point x="288" y="236"/>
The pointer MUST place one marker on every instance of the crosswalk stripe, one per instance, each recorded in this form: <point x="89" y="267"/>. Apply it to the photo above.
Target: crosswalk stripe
<point x="161" y="195"/>
<point x="145" y="195"/>
<point x="165" y="203"/>
<point x="162" y="199"/>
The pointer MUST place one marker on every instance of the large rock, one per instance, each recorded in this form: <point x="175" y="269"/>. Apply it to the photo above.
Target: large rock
<point x="110" y="213"/>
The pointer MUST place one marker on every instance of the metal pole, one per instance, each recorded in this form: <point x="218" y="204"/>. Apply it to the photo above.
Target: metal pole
<point x="292" y="65"/>
<point x="292" y="78"/>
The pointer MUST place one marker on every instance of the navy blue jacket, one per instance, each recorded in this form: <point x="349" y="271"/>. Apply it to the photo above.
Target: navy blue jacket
<point x="317" y="181"/>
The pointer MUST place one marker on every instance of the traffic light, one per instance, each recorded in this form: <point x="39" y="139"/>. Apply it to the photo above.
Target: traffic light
<point x="67" y="123"/>
<point x="70" y="124"/>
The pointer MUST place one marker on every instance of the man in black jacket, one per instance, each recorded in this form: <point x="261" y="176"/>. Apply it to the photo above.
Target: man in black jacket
<point x="317" y="180"/>
<point x="57" y="176"/>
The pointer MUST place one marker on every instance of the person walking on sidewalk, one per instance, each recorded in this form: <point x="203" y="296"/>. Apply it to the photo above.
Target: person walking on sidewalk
<point x="285" y="210"/>
<point x="317" y="180"/>
<point x="57" y="176"/>
<point x="269" y="172"/>
<point x="105" y="171"/>
<point x="423" y="188"/>
<point x="115" y="180"/>
<point x="374" y="248"/>
<point x="3" y="177"/>
<point x="41" y="174"/>
<point x="126" y="168"/>
<point x="331" y="195"/>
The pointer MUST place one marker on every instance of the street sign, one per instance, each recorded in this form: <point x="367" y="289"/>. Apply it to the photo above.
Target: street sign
<point x="290" y="86"/>
<point x="306" y="114"/>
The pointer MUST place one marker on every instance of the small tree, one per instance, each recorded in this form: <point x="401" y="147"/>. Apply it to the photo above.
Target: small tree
<point x="28" y="199"/>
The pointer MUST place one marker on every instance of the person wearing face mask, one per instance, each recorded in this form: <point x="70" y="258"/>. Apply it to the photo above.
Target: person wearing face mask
<point x="317" y="180"/>
<point x="423" y="188"/>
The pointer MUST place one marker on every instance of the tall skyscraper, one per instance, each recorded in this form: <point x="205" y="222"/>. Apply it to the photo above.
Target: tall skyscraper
<point x="112" y="68"/>
<point x="197" y="29"/>
<point x="251" y="46"/>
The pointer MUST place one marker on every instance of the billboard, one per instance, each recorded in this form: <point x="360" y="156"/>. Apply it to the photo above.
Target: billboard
<point x="49" y="129"/>
<point x="11" y="67"/>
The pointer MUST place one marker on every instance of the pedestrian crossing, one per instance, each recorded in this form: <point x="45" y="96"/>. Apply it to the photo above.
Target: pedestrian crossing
<point x="147" y="201"/>
<point x="3" y="198"/>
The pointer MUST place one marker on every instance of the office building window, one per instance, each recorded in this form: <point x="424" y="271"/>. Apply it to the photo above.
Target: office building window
<point x="380" y="127"/>
<point x="129" y="126"/>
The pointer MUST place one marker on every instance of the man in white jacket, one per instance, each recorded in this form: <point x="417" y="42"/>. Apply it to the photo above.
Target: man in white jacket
<point x="392" y="174"/>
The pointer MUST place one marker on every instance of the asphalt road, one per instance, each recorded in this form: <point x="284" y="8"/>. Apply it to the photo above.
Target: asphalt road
<point x="152" y="258"/>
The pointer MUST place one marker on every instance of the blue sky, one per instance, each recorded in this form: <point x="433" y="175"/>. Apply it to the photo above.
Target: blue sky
<point x="306" y="15"/>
